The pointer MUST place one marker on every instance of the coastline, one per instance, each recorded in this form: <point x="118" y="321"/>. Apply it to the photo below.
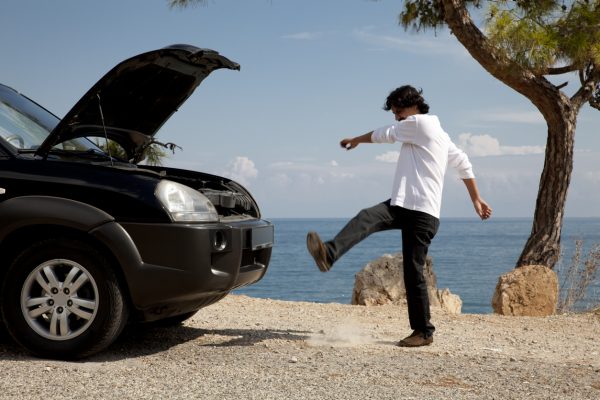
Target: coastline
<point x="470" y="272"/>
<point x="250" y="348"/>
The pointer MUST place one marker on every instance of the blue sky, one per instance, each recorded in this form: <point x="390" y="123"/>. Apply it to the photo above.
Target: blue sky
<point x="313" y="72"/>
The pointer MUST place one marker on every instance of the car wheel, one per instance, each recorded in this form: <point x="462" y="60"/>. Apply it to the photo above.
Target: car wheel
<point x="61" y="299"/>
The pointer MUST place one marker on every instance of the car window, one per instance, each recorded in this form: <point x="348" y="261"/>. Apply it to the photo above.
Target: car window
<point x="19" y="130"/>
<point x="25" y="125"/>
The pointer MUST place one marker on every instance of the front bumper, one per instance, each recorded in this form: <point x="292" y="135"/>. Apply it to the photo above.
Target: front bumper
<point x="187" y="266"/>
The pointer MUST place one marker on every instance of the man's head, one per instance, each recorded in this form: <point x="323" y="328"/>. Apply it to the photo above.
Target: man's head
<point x="405" y="101"/>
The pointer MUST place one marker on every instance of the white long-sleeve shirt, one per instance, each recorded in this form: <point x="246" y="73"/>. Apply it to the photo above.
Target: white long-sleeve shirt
<point x="426" y="152"/>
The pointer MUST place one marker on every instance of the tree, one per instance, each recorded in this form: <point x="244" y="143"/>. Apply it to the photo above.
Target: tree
<point x="153" y="152"/>
<point x="526" y="42"/>
<point x="184" y="3"/>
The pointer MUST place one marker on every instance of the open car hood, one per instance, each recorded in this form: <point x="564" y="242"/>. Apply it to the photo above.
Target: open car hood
<point x="134" y="99"/>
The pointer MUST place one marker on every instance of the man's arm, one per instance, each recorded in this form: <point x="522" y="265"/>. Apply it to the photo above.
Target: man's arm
<point x="401" y="131"/>
<point x="351" y="143"/>
<point x="481" y="207"/>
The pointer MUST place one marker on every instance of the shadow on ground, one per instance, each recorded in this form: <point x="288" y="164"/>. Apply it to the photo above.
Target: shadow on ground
<point x="138" y="340"/>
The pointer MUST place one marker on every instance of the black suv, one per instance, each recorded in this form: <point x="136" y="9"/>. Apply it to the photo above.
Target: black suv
<point x="89" y="241"/>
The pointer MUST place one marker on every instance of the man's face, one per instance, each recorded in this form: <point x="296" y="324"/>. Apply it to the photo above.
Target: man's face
<point x="402" y="113"/>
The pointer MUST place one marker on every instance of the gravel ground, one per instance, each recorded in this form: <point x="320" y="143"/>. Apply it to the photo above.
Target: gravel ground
<point x="246" y="348"/>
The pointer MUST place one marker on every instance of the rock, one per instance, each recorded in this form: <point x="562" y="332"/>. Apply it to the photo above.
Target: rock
<point x="382" y="282"/>
<point x="531" y="290"/>
<point x="448" y="301"/>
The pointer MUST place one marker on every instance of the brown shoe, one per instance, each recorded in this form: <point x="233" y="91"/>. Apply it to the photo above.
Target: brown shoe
<point x="317" y="250"/>
<point x="416" y="339"/>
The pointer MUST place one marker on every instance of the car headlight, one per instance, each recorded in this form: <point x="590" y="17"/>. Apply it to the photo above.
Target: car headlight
<point x="185" y="204"/>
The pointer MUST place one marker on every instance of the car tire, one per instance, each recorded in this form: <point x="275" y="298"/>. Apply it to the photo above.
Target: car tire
<point x="61" y="299"/>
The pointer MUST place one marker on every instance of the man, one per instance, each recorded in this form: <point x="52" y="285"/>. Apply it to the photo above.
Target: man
<point x="414" y="206"/>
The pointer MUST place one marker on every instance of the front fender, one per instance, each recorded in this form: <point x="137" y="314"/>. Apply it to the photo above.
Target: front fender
<point x="20" y="212"/>
<point x="31" y="211"/>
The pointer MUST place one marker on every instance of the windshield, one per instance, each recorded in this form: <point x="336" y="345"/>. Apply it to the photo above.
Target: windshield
<point x="24" y="125"/>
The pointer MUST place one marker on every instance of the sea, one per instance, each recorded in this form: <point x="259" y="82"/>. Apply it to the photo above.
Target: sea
<point x="468" y="255"/>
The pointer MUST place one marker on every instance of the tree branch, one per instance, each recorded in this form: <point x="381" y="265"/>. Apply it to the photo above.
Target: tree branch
<point x="588" y="89"/>
<point x="560" y="70"/>
<point x="533" y="86"/>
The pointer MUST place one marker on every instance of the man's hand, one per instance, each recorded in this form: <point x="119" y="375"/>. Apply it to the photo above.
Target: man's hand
<point x="348" y="144"/>
<point x="482" y="209"/>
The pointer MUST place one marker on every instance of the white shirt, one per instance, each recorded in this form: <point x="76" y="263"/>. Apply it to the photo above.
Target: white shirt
<point x="426" y="152"/>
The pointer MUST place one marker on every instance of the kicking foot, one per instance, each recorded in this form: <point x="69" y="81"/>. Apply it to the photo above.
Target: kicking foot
<point x="317" y="250"/>
<point x="416" y="339"/>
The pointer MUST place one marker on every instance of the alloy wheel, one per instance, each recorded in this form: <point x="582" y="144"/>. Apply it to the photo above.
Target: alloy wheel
<point x="59" y="299"/>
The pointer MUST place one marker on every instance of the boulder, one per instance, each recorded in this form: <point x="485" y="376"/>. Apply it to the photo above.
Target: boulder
<point x="531" y="290"/>
<point x="382" y="282"/>
<point x="449" y="301"/>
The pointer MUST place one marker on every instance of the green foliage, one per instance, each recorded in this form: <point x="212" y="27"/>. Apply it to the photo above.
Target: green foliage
<point x="111" y="147"/>
<point x="536" y="34"/>
<point x="421" y="15"/>
<point x="524" y="35"/>
<point x="153" y="153"/>
<point x="184" y="3"/>
<point x="539" y="34"/>
<point x="579" y="30"/>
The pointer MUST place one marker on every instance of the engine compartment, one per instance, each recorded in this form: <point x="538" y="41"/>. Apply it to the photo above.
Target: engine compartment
<point x="232" y="200"/>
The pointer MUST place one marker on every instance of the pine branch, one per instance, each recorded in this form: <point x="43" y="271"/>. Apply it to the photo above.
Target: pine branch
<point x="560" y="70"/>
<point x="169" y="145"/>
<point x="525" y="81"/>
<point x="589" y="90"/>
<point x="185" y="3"/>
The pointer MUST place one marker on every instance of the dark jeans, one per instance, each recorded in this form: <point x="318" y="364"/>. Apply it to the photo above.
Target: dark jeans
<point x="418" y="229"/>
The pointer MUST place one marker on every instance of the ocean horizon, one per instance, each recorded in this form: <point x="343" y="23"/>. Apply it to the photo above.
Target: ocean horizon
<point x="468" y="256"/>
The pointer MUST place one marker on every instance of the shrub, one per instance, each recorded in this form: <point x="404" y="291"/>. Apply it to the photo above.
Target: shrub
<point x="580" y="274"/>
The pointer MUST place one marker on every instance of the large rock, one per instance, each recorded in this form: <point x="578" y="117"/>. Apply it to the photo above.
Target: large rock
<point x="531" y="290"/>
<point x="382" y="282"/>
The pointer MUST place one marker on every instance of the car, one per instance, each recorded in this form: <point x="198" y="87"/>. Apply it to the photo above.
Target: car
<point x="89" y="240"/>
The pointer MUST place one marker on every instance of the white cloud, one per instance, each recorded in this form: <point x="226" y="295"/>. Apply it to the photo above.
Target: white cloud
<point x="342" y="175"/>
<point x="593" y="177"/>
<point x="389" y="157"/>
<point x="520" y="117"/>
<point x="242" y="170"/>
<point x="280" y="179"/>
<point x="486" y="145"/>
<point x="412" y="44"/>
<point x="303" y="36"/>
<point x="305" y="173"/>
<point x="281" y="164"/>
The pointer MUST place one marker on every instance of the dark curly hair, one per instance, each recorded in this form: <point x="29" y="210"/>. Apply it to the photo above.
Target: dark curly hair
<point x="404" y="97"/>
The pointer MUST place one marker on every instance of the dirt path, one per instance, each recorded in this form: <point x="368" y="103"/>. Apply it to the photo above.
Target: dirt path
<point x="245" y="348"/>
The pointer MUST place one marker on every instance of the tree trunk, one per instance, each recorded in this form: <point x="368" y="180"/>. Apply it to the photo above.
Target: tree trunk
<point x="543" y="245"/>
<point x="560" y="113"/>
